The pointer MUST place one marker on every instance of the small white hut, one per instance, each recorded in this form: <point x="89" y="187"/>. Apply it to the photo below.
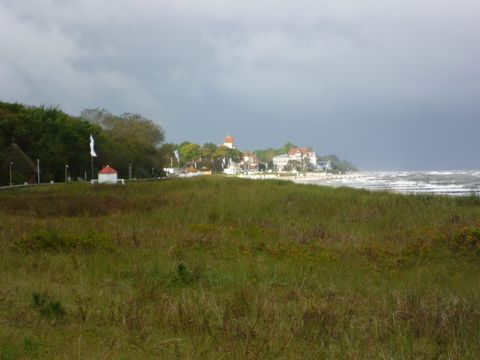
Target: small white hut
<point x="107" y="175"/>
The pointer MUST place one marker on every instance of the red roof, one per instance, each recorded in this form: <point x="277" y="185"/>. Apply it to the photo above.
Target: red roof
<point x="293" y="151"/>
<point x="228" y="139"/>
<point x="107" y="170"/>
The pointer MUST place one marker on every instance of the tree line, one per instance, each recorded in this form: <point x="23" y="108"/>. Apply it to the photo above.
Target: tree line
<point x="209" y="156"/>
<point x="130" y="143"/>
<point x="214" y="157"/>
<point x="57" y="139"/>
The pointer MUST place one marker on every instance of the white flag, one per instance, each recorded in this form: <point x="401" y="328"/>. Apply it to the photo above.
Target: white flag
<point x="177" y="155"/>
<point x="92" y="144"/>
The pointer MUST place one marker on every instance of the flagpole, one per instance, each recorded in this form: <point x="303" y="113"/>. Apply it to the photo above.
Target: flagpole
<point x="92" y="153"/>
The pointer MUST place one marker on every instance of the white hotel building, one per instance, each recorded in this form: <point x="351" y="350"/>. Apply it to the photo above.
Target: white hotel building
<point x="302" y="155"/>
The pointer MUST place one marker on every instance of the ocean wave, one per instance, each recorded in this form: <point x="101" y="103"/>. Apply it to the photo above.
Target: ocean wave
<point x="433" y="182"/>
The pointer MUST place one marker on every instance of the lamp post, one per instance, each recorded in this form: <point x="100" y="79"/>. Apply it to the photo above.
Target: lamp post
<point x="130" y="172"/>
<point x="66" y="173"/>
<point x="38" y="171"/>
<point x="11" y="164"/>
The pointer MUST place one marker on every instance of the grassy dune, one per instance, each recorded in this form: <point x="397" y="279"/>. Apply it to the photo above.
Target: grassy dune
<point x="218" y="268"/>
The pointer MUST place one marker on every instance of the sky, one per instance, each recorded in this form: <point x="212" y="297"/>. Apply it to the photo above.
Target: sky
<point x="387" y="85"/>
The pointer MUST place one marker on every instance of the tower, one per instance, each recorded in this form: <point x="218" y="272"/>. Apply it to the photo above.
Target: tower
<point x="228" y="141"/>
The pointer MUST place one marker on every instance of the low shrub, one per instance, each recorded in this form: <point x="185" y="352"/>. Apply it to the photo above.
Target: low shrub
<point x="53" y="241"/>
<point x="467" y="238"/>
<point x="46" y="306"/>
<point x="186" y="276"/>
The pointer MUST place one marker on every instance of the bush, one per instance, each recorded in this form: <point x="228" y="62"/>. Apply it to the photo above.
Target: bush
<point x="46" y="306"/>
<point x="185" y="276"/>
<point x="467" y="238"/>
<point x="53" y="241"/>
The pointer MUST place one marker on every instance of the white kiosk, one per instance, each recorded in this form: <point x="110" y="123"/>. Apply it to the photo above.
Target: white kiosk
<point x="107" y="175"/>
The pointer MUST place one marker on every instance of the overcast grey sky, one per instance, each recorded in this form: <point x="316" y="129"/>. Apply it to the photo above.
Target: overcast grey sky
<point x="386" y="84"/>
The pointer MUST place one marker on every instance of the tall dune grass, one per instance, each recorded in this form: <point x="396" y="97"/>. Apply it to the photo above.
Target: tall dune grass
<point x="219" y="268"/>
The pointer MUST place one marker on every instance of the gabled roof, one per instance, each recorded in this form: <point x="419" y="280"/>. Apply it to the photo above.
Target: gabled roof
<point x="107" y="170"/>
<point x="293" y="151"/>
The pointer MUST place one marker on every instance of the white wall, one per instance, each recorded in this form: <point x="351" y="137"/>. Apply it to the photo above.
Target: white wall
<point x="107" y="178"/>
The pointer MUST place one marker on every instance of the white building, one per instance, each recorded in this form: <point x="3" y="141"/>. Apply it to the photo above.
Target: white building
<point x="107" y="175"/>
<point x="249" y="161"/>
<point x="230" y="167"/>
<point x="303" y="156"/>
<point x="280" y="161"/>
<point x="230" y="171"/>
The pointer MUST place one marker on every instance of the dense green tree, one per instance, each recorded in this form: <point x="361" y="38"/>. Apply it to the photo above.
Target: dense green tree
<point x="58" y="139"/>
<point x="266" y="155"/>
<point x="188" y="152"/>
<point x="48" y="134"/>
<point x="224" y="152"/>
<point x="167" y="153"/>
<point x="131" y="140"/>
<point x="208" y="150"/>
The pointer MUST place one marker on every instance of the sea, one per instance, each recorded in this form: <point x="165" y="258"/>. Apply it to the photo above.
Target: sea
<point x="453" y="183"/>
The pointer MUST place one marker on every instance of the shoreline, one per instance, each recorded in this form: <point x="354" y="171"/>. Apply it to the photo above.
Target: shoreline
<point x="301" y="177"/>
<point x="400" y="183"/>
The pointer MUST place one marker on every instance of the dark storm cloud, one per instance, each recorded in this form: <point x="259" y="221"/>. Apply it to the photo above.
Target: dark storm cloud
<point x="386" y="84"/>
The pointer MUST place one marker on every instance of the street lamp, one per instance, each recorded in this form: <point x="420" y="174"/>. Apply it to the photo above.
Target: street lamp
<point x="11" y="164"/>
<point x="66" y="173"/>
<point x="38" y="171"/>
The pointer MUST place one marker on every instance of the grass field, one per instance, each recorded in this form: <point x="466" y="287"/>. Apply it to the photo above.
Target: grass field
<point x="221" y="268"/>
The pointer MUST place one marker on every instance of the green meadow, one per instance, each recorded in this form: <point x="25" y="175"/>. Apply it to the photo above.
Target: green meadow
<point x="224" y="268"/>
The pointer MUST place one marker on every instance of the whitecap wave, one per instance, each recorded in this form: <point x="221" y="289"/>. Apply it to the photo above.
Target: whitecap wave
<point x="428" y="182"/>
